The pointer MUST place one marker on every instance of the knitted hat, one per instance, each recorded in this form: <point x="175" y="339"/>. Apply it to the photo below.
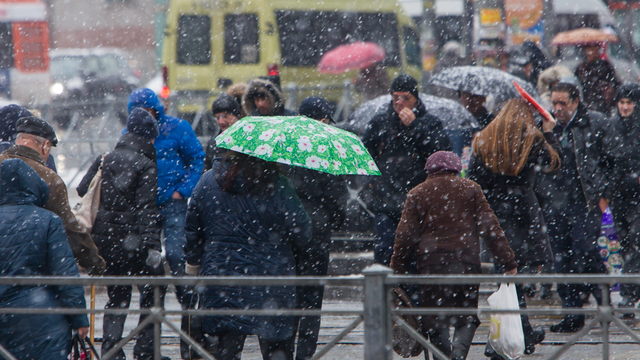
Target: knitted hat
<point x="226" y="104"/>
<point x="628" y="91"/>
<point x="9" y="116"/>
<point x="443" y="161"/>
<point x="140" y="122"/>
<point x="405" y="83"/>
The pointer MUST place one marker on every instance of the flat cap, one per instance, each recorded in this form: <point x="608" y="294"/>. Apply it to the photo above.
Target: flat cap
<point x="35" y="126"/>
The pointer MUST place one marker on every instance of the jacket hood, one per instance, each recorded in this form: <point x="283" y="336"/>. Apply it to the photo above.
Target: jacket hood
<point x="550" y="76"/>
<point x="21" y="185"/>
<point x="220" y="169"/>
<point x="137" y="143"/>
<point x="143" y="97"/>
<point x="266" y="89"/>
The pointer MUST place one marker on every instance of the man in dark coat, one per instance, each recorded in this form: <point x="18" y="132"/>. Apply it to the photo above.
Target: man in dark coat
<point x="9" y="116"/>
<point x="324" y="197"/>
<point x="400" y="140"/>
<point x="475" y="105"/>
<point x="598" y="79"/>
<point x="579" y="194"/>
<point x="33" y="143"/>
<point x="226" y="111"/>
<point x="34" y="244"/>
<point x="625" y="205"/>
<point x="126" y="228"/>
<point x="263" y="98"/>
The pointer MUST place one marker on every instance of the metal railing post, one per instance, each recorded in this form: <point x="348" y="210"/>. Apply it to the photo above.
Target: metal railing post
<point x="377" y="314"/>
<point x="605" y="314"/>
<point x="157" y="325"/>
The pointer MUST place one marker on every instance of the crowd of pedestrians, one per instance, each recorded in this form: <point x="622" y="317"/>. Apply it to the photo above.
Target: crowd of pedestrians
<point x="535" y="193"/>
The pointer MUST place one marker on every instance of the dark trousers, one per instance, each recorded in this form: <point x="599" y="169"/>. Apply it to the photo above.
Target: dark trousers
<point x="385" y="238"/>
<point x="315" y="262"/>
<point x="573" y="234"/>
<point x="229" y="345"/>
<point x="125" y="263"/>
<point x="626" y="216"/>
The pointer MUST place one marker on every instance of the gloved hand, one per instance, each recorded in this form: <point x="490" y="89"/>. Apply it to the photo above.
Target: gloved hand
<point x="154" y="258"/>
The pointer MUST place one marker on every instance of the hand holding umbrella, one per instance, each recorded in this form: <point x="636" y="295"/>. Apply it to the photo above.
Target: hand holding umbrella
<point x="548" y="122"/>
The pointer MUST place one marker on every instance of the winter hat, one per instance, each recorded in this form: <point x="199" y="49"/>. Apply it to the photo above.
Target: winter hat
<point x="628" y="91"/>
<point x="226" y="104"/>
<point x="405" y="83"/>
<point x="38" y="127"/>
<point x="443" y="161"/>
<point x="140" y="122"/>
<point x="9" y="116"/>
<point x="316" y="108"/>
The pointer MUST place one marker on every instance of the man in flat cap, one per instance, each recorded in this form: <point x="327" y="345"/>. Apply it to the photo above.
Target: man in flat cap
<point x="34" y="140"/>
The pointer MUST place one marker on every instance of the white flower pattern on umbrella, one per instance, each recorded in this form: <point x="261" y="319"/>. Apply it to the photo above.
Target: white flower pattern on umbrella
<point x="299" y="141"/>
<point x="313" y="162"/>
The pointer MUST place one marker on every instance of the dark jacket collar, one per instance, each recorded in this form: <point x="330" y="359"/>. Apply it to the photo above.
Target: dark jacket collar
<point x="25" y="151"/>
<point x="138" y="144"/>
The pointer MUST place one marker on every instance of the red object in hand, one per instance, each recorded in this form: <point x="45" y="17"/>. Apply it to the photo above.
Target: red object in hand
<point x="357" y="55"/>
<point x="529" y="99"/>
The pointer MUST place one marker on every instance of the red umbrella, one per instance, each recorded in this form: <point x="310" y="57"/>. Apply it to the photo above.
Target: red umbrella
<point x="358" y="55"/>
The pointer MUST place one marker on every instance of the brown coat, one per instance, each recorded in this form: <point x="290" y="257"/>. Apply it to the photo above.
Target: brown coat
<point x="443" y="221"/>
<point x="83" y="247"/>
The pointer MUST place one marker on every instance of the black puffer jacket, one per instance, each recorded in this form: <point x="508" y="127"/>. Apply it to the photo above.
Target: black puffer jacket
<point x="513" y="200"/>
<point x="401" y="153"/>
<point x="129" y="190"/>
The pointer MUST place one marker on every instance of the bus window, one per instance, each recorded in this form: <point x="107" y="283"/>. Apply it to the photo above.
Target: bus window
<point x="6" y="46"/>
<point x="194" y="40"/>
<point x="412" y="46"/>
<point x="306" y="35"/>
<point x="241" y="41"/>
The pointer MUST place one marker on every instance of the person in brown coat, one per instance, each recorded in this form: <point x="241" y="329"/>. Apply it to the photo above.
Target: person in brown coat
<point x="33" y="143"/>
<point x="443" y="220"/>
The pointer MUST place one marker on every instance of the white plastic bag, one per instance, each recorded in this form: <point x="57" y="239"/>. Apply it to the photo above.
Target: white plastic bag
<point x="505" y="330"/>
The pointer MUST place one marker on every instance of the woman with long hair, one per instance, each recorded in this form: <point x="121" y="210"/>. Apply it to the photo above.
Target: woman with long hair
<point x="244" y="219"/>
<point x="507" y="154"/>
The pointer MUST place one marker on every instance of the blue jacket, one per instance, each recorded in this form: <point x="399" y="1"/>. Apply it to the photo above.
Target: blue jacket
<point x="33" y="243"/>
<point x="179" y="153"/>
<point x="237" y="232"/>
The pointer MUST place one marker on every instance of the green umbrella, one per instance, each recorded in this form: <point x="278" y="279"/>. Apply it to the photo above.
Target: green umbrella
<point x="299" y="141"/>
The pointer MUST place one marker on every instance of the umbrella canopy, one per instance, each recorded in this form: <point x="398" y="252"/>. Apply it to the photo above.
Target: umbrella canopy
<point x="450" y="112"/>
<point x="481" y="80"/>
<point x="357" y="55"/>
<point x="583" y="36"/>
<point x="299" y="141"/>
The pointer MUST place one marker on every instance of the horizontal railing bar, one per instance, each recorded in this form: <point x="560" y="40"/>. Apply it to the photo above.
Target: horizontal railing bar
<point x="356" y="280"/>
<point x="518" y="279"/>
<point x="478" y="311"/>
<point x="202" y="312"/>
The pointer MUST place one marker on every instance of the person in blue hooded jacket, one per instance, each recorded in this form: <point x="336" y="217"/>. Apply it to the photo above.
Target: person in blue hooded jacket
<point x="33" y="243"/>
<point x="180" y="160"/>
<point x="245" y="219"/>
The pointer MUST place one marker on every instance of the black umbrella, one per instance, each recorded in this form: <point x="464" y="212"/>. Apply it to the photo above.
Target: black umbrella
<point x="452" y="115"/>
<point x="481" y="80"/>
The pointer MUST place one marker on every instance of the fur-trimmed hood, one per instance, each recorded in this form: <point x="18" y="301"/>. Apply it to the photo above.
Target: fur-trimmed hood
<point x="267" y="89"/>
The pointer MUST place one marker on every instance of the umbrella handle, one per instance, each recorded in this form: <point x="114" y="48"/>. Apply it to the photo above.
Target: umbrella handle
<point x="92" y="317"/>
<point x="529" y="99"/>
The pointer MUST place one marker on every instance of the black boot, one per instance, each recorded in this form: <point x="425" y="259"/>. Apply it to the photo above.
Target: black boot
<point x="626" y="302"/>
<point x="532" y="338"/>
<point x="462" y="338"/>
<point x="570" y="324"/>
<point x="441" y="339"/>
<point x="545" y="292"/>
<point x="112" y="328"/>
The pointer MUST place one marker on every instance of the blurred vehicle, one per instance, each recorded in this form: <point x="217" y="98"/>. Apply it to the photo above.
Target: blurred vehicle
<point x="90" y="81"/>
<point x="209" y="46"/>
<point x="24" y="52"/>
<point x="626" y="68"/>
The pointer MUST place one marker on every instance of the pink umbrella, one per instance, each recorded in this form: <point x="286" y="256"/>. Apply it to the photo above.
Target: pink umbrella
<point x="357" y="55"/>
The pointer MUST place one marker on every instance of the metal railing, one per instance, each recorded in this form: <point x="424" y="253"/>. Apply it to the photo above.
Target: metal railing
<point x="378" y="313"/>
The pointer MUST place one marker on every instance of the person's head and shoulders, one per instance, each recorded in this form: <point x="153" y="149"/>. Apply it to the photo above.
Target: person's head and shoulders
<point x="227" y="111"/>
<point x="264" y="98"/>
<point x="626" y="113"/>
<point x="405" y="111"/>
<point x="22" y="186"/>
<point x="34" y="140"/>
<point x="568" y="109"/>
<point x="148" y="100"/>
<point x="142" y="130"/>
<point x="474" y="104"/>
